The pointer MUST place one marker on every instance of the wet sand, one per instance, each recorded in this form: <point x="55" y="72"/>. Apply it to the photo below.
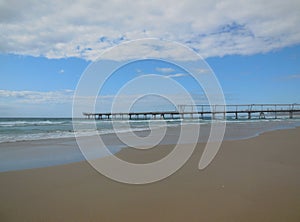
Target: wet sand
<point x="255" y="179"/>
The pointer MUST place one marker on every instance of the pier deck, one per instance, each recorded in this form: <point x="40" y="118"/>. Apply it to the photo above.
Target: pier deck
<point x="260" y="111"/>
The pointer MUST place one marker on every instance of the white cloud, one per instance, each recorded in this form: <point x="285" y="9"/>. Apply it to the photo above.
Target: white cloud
<point x="57" y="29"/>
<point x="37" y="97"/>
<point x="176" y="75"/>
<point x="164" y="69"/>
<point x="36" y="103"/>
<point x="295" y="76"/>
<point x="59" y="103"/>
<point x="202" y="71"/>
<point x="166" y="75"/>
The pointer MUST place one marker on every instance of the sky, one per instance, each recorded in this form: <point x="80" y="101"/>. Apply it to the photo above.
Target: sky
<point x="252" y="47"/>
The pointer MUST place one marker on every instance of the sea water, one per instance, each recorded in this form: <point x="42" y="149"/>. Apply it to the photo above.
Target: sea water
<point x="27" y="129"/>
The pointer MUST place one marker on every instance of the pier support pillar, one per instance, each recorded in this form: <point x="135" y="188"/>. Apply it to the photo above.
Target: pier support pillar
<point x="262" y="115"/>
<point x="213" y="116"/>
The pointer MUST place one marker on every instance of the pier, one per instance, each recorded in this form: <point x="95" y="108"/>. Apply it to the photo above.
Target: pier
<point x="249" y="111"/>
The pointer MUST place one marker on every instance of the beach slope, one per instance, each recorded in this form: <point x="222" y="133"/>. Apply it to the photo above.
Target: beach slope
<point x="255" y="179"/>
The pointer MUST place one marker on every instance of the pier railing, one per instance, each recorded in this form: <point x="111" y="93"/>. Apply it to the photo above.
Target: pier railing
<point x="208" y="111"/>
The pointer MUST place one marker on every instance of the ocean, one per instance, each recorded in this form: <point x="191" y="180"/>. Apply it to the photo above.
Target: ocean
<point x="28" y="129"/>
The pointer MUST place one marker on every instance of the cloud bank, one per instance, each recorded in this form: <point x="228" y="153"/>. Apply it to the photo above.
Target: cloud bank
<point x="37" y="97"/>
<point x="84" y="29"/>
<point x="53" y="103"/>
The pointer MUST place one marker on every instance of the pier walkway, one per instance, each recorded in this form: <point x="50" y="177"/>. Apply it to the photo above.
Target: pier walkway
<point x="249" y="111"/>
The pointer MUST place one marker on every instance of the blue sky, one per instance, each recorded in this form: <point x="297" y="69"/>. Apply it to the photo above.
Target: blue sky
<point x="254" y="52"/>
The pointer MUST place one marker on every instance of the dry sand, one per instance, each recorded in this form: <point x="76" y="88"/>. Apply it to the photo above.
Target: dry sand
<point x="257" y="179"/>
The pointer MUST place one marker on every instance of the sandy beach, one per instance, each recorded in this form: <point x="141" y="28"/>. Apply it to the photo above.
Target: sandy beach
<point x="255" y="179"/>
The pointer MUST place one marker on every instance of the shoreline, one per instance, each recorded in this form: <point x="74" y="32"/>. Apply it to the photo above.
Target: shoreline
<point x="255" y="179"/>
<point x="52" y="152"/>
